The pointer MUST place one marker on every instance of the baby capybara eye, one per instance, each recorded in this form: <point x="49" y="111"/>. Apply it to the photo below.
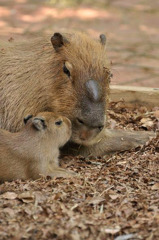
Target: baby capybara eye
<point x="58" y="123"/>
<point x="66" y="71"/>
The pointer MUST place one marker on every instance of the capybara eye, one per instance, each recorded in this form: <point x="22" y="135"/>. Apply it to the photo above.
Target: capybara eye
<point x="80" y="121"/>
<point x="110" y="76"/>
<point x="58" y="123"/>
<point x="66" y="71"/>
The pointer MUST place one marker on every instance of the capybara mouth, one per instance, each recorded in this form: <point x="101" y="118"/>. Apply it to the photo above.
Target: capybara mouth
<point x="83" y="137"/>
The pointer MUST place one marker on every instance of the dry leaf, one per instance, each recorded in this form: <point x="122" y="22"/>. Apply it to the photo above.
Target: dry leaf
<point x="9" y="195"/>
<point x="10" y="211"/>
<point x="113" y="197"/>
<point x="113" y="230"/>
<point x="95" y="200"/>
<point x="126" y="237"/>
<point x="155" y="186"/>
<point x="26" y="197"/>
<point x="146" y="122"/>
<point x="156" y="114"/>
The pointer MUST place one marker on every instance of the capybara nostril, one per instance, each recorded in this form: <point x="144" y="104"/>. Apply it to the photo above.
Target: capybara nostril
<point x="101" y="128"/>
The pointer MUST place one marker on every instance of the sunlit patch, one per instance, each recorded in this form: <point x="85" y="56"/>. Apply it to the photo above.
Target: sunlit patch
<point x="4" y="12"/>
<point x="81" y="13"/>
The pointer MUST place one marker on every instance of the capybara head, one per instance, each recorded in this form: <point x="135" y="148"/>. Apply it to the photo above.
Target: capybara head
<point x="85" y="66"/>
<point x="50" y="126"/>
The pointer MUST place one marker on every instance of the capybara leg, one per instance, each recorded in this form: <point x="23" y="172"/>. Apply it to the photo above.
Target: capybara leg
<point x="111" y="141"/>
<point x="60" y="172"/>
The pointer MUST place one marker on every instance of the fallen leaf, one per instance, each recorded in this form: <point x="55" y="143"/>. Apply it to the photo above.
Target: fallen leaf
<point x="113" y="230"/>
<point x="126" y="237"/>
<point x="26" y="197"/>
<point x="156" y="114"/>
<point x="9" y="195"/>
<point x="155" y="186"/>
<point x="113" y="197"/>
<point x="146" y="122"/>
<point x="95" y="200"/>
<point x="9" y="211"/>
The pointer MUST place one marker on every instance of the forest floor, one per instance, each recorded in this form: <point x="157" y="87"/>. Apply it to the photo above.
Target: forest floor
<point x="114" y="197"/>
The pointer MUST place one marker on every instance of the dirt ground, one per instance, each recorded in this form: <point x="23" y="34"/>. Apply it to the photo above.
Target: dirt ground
<point x="115" y="197"/>
<point x="131" y="28"/>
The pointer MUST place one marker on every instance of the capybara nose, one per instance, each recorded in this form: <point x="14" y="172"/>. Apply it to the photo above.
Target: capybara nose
<point x="93" y="125"/>
<point x="100" y="127"/>
<point x="83" y="135"/>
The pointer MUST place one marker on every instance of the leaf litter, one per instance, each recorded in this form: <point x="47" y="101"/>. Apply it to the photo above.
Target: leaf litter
<point x="115" y="197"/>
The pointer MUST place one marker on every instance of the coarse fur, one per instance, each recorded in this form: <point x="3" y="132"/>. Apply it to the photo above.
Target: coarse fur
<point x="34" y="151"/>
<point x="71" y="77"/>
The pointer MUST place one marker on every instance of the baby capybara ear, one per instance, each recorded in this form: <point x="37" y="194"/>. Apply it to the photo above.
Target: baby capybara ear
<point x="102" y="39"/>
<point x="58" y="41"/>
<point x="27" y="118"/>
<point x="39" y="123"/>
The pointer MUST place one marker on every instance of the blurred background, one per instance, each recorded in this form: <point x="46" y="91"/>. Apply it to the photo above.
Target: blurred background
<point x="131" y="26"/>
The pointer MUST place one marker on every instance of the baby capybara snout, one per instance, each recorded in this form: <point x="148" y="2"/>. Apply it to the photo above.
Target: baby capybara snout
<point x="64" y="129"/>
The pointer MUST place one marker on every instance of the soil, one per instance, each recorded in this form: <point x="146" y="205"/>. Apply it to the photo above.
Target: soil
<point x="114" y="197"/>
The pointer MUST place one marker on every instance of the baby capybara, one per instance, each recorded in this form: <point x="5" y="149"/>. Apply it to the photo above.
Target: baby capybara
<point x="34" y="151"/>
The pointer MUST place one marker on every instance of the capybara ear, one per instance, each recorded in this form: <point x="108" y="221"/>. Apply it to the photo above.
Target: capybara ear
<point x="27" y="118"/>
<point x="58" y="41"/>
<point x="39" y="123"/>
<point x="102" y="39"/>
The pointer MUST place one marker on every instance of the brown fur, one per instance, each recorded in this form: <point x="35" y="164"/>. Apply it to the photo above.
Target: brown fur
<point x="32" y="80"/>
<point x="34" y="150"/>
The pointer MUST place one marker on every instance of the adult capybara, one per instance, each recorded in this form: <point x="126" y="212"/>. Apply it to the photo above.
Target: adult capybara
<point x="69" y="75"/>
<point x="34" y="150"/>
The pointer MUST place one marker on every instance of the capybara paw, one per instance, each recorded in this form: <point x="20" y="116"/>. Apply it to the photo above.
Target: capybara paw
<point x="141" y="138"/>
